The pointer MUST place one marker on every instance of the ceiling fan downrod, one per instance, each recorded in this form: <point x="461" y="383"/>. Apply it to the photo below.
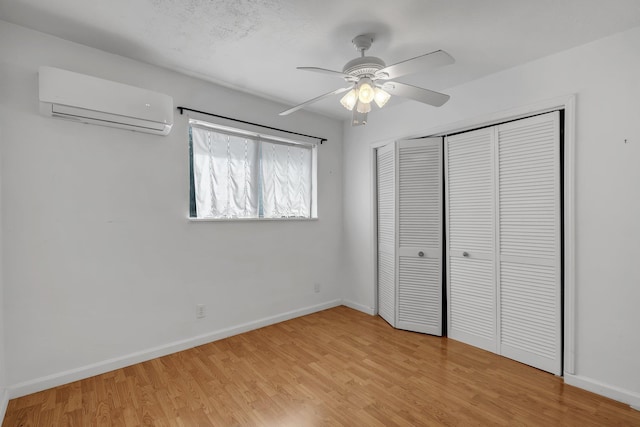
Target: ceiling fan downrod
<point x="362" y="43"/>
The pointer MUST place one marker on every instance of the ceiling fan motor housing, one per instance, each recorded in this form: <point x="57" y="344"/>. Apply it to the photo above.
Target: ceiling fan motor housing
<point x="364" y="66"/>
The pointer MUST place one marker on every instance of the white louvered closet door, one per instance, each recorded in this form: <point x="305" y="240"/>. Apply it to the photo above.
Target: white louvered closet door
<point x="471" y="282"/>
<point x="386" y="222"/>
<point x="419" y="188"/>
<point x="529" y="272"/>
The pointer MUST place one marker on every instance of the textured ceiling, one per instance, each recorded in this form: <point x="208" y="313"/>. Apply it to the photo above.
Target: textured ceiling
<point x="255" y="45"/>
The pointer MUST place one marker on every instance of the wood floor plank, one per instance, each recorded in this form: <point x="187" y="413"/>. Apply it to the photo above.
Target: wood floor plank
<point x="338" y="367"/>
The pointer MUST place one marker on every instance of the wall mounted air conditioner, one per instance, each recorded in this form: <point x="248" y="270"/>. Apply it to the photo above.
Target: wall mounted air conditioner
<point x="88" y="99"/>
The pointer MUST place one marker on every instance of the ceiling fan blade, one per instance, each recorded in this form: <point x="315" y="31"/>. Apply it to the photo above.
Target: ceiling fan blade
<point x="325" y="71"/>
<point x="416" y="93"/>
<point x="421" y="63"/>
<point x="316" y="99"/>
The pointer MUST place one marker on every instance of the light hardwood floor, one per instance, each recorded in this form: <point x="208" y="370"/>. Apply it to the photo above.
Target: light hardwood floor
<point x="336" y="367"/>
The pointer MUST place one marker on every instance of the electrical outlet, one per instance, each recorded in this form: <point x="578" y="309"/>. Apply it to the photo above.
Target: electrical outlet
<point x="316" y="287"/>
<point x="201" y="311"/>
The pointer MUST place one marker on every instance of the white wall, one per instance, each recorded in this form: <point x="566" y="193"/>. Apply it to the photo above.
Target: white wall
<point x="100" y="260"/>
<point x="3" y="392"/>
<point x="604" y="75"/>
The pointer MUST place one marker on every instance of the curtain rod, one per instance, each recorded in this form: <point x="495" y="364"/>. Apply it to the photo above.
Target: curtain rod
<point x="183" y="109"/>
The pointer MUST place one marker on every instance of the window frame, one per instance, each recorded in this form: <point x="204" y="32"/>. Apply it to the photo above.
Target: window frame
<point x="260" y="137"/>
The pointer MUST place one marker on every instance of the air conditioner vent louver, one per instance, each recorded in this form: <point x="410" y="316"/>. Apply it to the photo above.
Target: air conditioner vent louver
<point x="73" y="96"/>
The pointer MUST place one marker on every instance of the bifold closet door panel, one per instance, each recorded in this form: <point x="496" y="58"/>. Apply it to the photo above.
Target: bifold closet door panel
<point x="419" y="291"/>
<point x="386" y="222"/>
<point x="529" y="274"/>
<point x="471" y="290"/>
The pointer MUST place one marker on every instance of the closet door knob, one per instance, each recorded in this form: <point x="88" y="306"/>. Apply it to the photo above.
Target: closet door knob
<point x="420" y="253"/>
<point x="465" y="254"/>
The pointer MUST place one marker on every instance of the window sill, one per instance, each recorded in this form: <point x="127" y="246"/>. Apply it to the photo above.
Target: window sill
<point x="247" y="219"/>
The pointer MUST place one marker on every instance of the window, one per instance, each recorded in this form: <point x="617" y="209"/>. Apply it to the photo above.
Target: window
<point x="237" y="174"/>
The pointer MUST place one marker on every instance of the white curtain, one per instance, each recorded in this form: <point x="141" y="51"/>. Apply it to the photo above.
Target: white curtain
<point x="226" y="172"/>
<point x="286" y="180"/>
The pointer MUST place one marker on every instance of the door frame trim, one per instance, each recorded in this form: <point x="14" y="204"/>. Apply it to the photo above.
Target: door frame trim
<point x="566" y="103"/>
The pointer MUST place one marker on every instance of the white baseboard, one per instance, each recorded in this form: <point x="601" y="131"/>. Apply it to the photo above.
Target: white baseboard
<point x="4" y="401"/>
<point x="359" y="307"/>
<point x="625" y="396"/>
<point x="54" y="380"/>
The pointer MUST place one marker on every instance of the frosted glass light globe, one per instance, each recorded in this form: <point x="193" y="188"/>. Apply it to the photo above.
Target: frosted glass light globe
<point x="381" y="97"/>
<point x="365" y="91"/>
<point x="349" y="100"/>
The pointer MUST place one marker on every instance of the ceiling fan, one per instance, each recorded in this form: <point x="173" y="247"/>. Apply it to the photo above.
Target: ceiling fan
<point x="370" y="78"/>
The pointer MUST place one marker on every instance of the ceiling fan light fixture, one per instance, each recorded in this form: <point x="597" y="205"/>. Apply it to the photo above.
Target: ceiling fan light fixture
<point x="349" y="100"/>
<point x="381" y="97"/>
<point x="363" y="107"/>
<point x="365" y="90"/>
